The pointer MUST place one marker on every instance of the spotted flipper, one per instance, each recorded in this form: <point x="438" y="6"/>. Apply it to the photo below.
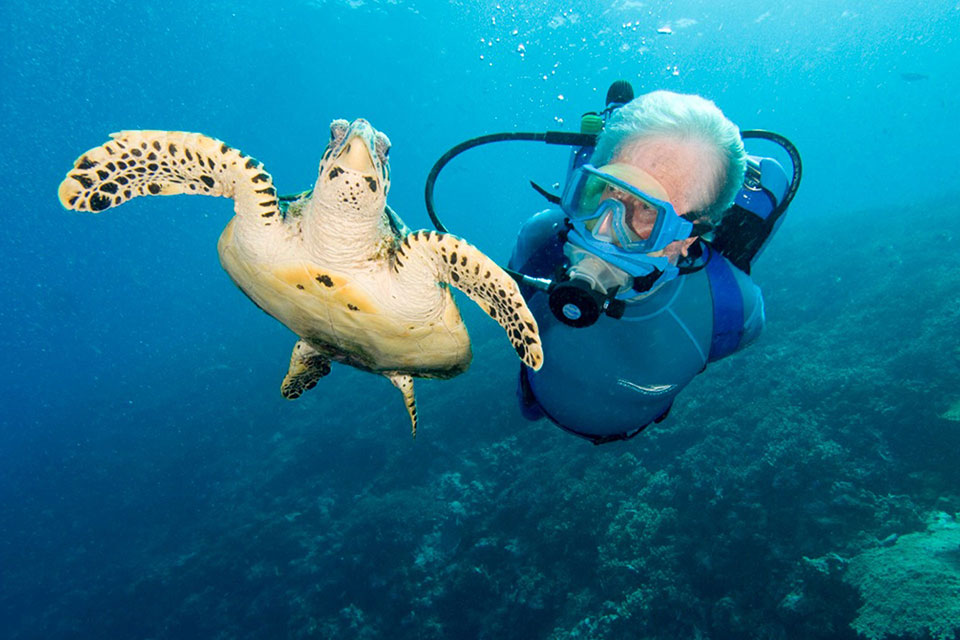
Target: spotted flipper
<point x="461" y="265"/>
<point x="165" y="163"/>
<point x="405" y="384"/>
<point x="307" y="366"/>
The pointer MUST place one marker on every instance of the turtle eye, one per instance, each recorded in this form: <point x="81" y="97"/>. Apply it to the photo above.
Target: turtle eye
<point x="382" y="145"/>
<point x="338" y="129"/>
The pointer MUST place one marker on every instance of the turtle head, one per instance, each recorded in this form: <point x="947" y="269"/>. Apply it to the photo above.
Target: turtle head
<point x="354" y="172"/>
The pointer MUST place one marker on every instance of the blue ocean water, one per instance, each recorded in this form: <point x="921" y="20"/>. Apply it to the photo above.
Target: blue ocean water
<point x="154" y="484"/>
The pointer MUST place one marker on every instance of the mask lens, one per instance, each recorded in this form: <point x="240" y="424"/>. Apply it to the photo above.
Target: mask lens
<point x="614" y="210"/>
<point x="631" y="217"/>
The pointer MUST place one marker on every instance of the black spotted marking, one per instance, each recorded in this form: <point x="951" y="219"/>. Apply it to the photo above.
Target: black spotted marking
<point x="111" y="151"/>
<point x="73" y="199"/>
<point x="268" y="203"/>
<point x="529" y="339"/>
<point x="299" y="286"/>
<point x="189" y="155"/>
<point x="268" y="214"/>
<point x="251" y="163"/>
<point x="207" y="180"/>
<point x="172" y="148"/>
<point x="121" y="164"/>
<point x="127" y="193"/>
<point x="156" y="145"/>
<point x="153" y="188"/>
<point x="463" y="261"/>
<point x="98" y="202"/>
<point x="269" y="191"/>
<point x="136" y="152"/>
<point x="143" y="145"/>
<point x="153" y="166"/>
<point x="224" y="148"/>
<point x="86" y="163"/>
<point x="210" y="163"/>
<point x="109" y="187"/>
<point x="83" y="180"/>
<point x="325" y="280"/>
<point x="336" y="171"/>
<point x="151" y="156"/>
<point x="455" y="276"/>
<point x="372" y="183"/>
<point x="352" y="307"/>
<point x="260" y="177"/>
<point x="453" y="258"/>
<point x="103" y="174"/>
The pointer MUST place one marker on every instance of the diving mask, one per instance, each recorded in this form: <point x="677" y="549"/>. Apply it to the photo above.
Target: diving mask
<point x="604" y="203"/>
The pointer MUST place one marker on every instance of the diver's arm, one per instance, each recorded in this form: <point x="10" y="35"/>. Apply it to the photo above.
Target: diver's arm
<point x="754" y="316"/>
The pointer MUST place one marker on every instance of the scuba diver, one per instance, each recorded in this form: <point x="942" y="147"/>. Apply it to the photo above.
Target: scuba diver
<point x="639" y="275"/>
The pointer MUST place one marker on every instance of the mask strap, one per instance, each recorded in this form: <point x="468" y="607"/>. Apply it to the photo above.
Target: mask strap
<point x="699" y="226"/>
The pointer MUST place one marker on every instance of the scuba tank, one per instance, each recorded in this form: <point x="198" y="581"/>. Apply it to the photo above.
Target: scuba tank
<point x="757" y="212"/>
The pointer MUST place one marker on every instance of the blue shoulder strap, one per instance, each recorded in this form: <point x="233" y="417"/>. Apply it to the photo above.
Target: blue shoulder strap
<point x="727" y="307"/>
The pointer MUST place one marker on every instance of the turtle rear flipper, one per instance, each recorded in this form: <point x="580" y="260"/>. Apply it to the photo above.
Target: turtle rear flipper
<point x="461" y="265"/>
<point x="404" y="382"/>
<point x="307" y="366"/>
<point x="165" y="163"/>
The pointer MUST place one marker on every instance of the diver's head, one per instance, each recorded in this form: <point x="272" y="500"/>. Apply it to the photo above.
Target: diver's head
<point x="685" y="143"/>
<point x="665" y="168"/>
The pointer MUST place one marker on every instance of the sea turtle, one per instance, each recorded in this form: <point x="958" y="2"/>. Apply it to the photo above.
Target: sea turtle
<point x="335" y="265"/>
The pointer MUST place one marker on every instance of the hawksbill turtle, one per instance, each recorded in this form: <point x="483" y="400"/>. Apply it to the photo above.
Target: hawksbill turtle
<point x="335" y="264"/>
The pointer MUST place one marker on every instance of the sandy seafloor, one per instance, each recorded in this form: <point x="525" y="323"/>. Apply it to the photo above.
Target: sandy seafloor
<point x="154" y="484"/>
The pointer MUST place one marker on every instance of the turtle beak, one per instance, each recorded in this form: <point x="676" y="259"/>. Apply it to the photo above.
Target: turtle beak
<point x="356" y="156"/>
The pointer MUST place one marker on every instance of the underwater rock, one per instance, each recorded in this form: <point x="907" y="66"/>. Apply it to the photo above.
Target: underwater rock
<point x="953" y="413"/>
<point x="912" y="587"/>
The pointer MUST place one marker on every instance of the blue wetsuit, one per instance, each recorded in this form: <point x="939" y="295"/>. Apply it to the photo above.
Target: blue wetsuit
<point x="610" y="380"/>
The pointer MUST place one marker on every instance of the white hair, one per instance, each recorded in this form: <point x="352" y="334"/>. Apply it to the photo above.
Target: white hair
<point x="684" y="117"/>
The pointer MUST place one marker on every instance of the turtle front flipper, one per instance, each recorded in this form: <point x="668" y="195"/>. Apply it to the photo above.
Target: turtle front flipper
<point x="166" y="163"/>
<point x="405" y="384"/>
<point x="461" y="265"/>
<point x="307" y="366"/>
